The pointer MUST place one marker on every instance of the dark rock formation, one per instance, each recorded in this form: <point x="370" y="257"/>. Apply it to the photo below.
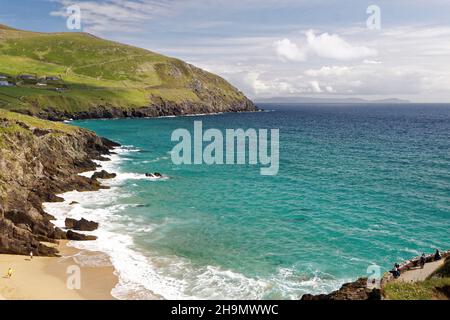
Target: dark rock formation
<point x="350" y="291"/>
<point x="81" y="225"/>
<point x="71" y="235"/>
<point x="103" y="175"/>
<point x="154" y="175"/>
<point x="157" y="108"/>
<point x="35" y="165"/>
<point x="70" y="223"/>
<point x="445" y="290"/>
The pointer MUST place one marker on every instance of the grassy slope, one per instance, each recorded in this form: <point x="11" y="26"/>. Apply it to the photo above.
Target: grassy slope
<point x="425" y="290"/>
<point x="100" y="72"/>
<point x="14" y="118"/>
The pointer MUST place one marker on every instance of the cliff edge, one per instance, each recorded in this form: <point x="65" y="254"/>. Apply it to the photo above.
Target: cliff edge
<point x="39" y="159"/>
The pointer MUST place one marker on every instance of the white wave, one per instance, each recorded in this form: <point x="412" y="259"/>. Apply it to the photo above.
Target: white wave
<point x="155" y="160"/>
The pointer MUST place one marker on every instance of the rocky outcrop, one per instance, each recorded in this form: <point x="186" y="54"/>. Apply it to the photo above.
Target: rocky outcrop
<point x="103" y="175"/>
<point x="39" y="159"/>
<point x="71" y="235"/>
<point x="357" y="290"/>
<point x="81" y="225"/>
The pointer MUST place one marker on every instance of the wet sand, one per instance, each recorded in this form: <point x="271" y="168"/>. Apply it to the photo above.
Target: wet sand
<point x="44" y="278"/>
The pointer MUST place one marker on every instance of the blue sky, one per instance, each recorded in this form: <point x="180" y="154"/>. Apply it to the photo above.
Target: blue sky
<point x="277" y="48"/>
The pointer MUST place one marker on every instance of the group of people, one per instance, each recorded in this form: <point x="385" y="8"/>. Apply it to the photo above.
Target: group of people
<point x="423" y="260"/>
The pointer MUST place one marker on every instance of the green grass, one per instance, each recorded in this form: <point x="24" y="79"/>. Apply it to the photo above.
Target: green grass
<point x="100" y="72"/>
<point x="15" y="119"/>
<point x="425" y="290"/>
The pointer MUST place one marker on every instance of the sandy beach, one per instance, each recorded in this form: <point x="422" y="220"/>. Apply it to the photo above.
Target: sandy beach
<point x="46" y="278"/>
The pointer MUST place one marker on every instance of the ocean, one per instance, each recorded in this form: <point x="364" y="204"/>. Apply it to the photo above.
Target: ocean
<point x="358" y="185"/>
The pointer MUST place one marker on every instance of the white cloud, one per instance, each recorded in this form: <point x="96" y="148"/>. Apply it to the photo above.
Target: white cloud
<point x="288" y="50"/>
<point x="334" y="47"/>
<point x="315" y="86"/>
<point x="329" y="71"/>
<point x="330" y="89"/>
<point x="368" y="61"/>
<point x="325" y="45"/>
<point x="115" y="15"/>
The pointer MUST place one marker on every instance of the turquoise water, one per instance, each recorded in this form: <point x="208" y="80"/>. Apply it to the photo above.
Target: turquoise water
<point x="358" y="185"/>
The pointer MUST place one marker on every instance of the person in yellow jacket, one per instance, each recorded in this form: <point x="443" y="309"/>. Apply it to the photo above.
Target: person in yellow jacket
<point x="9" y="273"/>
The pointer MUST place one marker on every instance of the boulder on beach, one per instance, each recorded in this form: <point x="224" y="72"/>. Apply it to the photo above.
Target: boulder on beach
<point x="81" y="225"/>
<point x="103" y="175"/>
<point x="71" y="235"/>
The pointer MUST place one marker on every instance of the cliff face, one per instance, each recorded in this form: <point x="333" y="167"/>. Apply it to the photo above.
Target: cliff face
<point x="157" y="108"/>
<point x="39" y="159"/>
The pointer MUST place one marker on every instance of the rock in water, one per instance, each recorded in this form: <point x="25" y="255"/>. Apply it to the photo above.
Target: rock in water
<point x="70" y="223"/>
<point x="103" y="175"/>
<point x="71" y="235"/>
<point x="81" y="225"/>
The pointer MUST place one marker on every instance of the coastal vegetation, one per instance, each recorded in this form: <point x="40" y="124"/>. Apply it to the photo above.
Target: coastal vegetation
<point x="436" y="287"/>
<point x="104" y="78"/>
<point x="432" y="289"/>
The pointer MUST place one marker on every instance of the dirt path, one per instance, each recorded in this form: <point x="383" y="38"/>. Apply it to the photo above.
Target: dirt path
<point x="415" y="275"/>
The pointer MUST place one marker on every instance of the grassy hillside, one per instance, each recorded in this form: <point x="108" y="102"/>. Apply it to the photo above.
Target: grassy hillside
<point x="101" y="73"/>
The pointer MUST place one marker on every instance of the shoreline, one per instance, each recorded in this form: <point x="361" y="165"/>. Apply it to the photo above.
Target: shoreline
<point x="73" y="206"/>
<point x="70" y="121"/>
<point x="46" y="278"/>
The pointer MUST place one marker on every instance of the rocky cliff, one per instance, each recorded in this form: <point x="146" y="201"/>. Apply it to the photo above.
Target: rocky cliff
<point x="356" y="290"/>
<point x="39" y="159"/>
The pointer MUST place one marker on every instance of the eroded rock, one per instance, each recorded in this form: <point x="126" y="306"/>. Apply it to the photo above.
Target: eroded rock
<point x="81" y="225"/>
<point x="71" y="235"/>
<point x="103" y="175"/>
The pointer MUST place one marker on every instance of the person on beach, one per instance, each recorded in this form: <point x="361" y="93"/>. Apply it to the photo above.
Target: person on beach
<point x="422" y="261"/>
<point x="9" y="273"/>
<point x="437" y="255"/>
<point x="31" y="255"/>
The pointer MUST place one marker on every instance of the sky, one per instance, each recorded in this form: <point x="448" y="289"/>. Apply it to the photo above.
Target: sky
<point x="283" y="48"/>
